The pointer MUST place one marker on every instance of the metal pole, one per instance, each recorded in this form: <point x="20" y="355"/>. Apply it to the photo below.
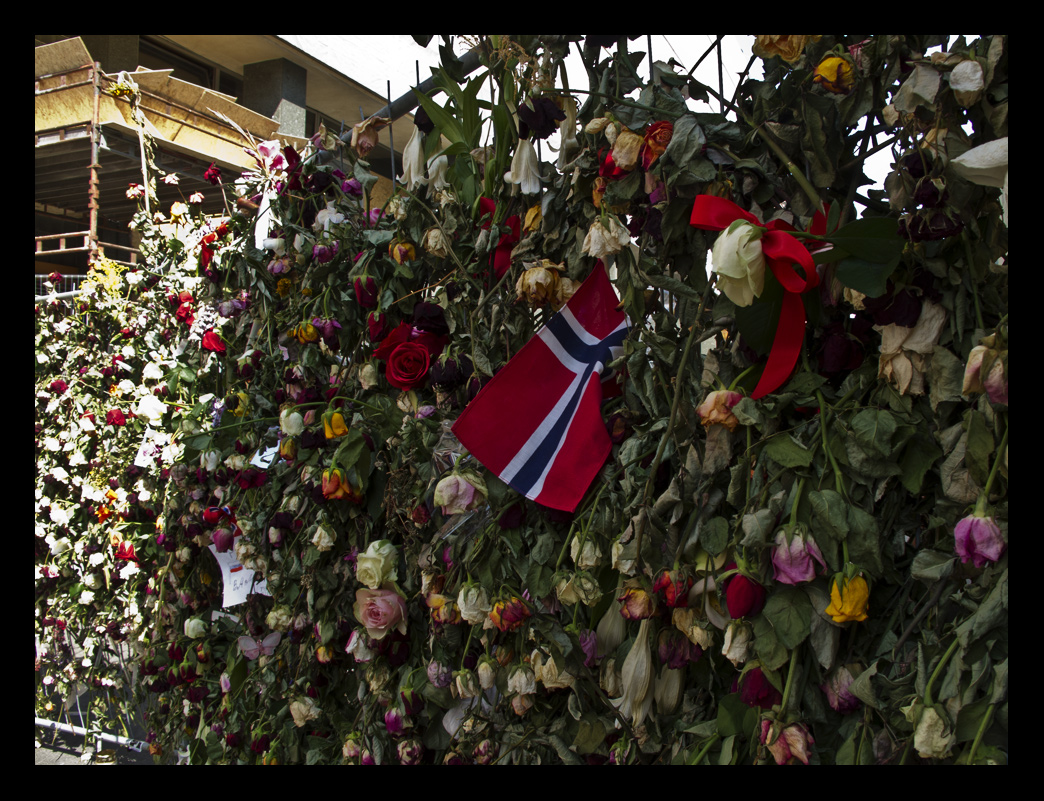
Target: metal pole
<point x="134" y="745"/>
<point x="391" y="139"/>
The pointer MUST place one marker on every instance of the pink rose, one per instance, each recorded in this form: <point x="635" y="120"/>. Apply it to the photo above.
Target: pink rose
<point x="380" y="611"/>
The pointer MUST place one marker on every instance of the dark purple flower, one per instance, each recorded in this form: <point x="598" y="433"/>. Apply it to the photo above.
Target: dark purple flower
<point x="324" y="252"/>
<point x="757" y="690"/>
<point x="431" y="318"/>
<point x="542" y="119"/>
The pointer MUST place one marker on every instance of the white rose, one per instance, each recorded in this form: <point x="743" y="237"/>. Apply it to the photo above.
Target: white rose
<point x="195" y="628"/>
<point x="474" y="604"/>
<point x="151" y="407"/>
<point x="292" y="423"/>
<point x="602" y="241"/>
<point x="323" y="539"/>
<point x="739" y="262"/>
<point x="377" y="564"/>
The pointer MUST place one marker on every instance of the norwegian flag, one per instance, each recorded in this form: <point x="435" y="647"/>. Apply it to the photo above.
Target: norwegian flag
<point x="538" y="423"/>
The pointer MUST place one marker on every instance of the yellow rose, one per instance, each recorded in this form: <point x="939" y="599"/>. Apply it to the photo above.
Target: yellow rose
<point x="787" y="47"/>
<point x="849" y="601"/>
<point x="835" y="74"/>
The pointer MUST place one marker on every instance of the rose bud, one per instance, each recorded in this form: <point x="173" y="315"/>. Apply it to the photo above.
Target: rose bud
<point x="743" y="596"/>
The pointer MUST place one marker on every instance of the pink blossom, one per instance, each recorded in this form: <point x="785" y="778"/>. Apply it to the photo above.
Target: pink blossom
<point x="380" y="611"/>
<point x="978" y="539"/>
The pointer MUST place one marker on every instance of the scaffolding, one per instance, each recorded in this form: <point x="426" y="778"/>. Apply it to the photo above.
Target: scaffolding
<point x="88" y="151"/>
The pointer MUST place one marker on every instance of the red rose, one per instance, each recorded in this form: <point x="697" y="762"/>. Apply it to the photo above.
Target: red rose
<point x="366" y="292"/>
<point x="378" y="325"/>
<point x="212" y="341"/>
<point x="115" y="418"/>
<point x="408" y="366"/>
<point x="743" y="597"/>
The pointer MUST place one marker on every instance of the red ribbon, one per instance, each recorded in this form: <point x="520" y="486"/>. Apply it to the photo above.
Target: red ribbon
<point x="782" y="252"/>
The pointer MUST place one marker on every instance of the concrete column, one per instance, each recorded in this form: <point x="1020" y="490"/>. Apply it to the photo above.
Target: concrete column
<point x="277" y="89"/>
<point x="116" y="52"/>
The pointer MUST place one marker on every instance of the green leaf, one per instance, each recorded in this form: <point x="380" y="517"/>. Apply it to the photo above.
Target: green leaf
<point x="930" y="566"/>
<point x="873" y="430"/>
<point x="715" y="535"/>
<point x="771" y="652"/>
<point x="829" y="514"/>
<point x="758" y="322"/>
<point x="790" y="613"/>
<point x="980" y="446"/>
<point x="735" y="717"/>
<point x="687" y="140"/>
<point x="920" y="454"/>
<point x="673" y="285"/>
<point x="874" y="239"/>
<point x="868" y="277"/>
<point x="448" y="125"/>
<point x="786" y="451"/>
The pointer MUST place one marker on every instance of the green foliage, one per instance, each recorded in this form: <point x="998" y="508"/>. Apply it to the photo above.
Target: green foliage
<point x="604" y="634"/>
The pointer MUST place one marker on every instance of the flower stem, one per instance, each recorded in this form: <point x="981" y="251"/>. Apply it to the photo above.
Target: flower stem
<point x="703" y="751"/>
<point x="938" y="671"/>
<point x="791" y="672"/>
<point x="986" y="720"/>
<point x="996" y="462"/>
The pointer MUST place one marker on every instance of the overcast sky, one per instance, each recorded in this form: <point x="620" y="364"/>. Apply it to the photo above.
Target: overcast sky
<point x="374" y="60"/>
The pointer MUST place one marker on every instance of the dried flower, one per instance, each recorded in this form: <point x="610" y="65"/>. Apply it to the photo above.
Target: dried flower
<point x="978" y="538"/>
<point x="849" y="600"/>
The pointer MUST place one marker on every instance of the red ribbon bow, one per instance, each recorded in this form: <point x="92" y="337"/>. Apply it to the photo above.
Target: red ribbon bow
<point x="782" y="252"/>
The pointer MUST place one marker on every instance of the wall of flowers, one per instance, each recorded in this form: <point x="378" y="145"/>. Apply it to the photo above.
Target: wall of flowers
<point x="623" y="433"/>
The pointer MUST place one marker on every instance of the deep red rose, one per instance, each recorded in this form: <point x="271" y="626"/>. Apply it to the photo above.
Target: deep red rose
<point x="744" y="597"/>
<point x="212" y="341"/>
<point x="185" y="314"/>
<point x="366" y="292"/>
<point x="757" y="690"/>
<point x="115" y="418"/>
<point x="378" y="325"/>
<point x="405" y="332"/>
<point x="212" y="174"/>
<point x="408" y="366"/>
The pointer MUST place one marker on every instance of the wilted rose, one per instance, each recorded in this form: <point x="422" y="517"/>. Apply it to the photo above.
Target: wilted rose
<point x="744" y="597"/>
<point x="978" y="538"/>
<point x="848" y="602"/>
<point x="657" y="137"/>
<point x="460" y="493"/>
<point x="509" y="614"/>
<point x="787" y="46"/>
<point x="791" y="743"/>
<point x="717" y="408"/>
<point x="835" y="74"/>
<point x="793" y="560"/>
<point x="380" y="611"/>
